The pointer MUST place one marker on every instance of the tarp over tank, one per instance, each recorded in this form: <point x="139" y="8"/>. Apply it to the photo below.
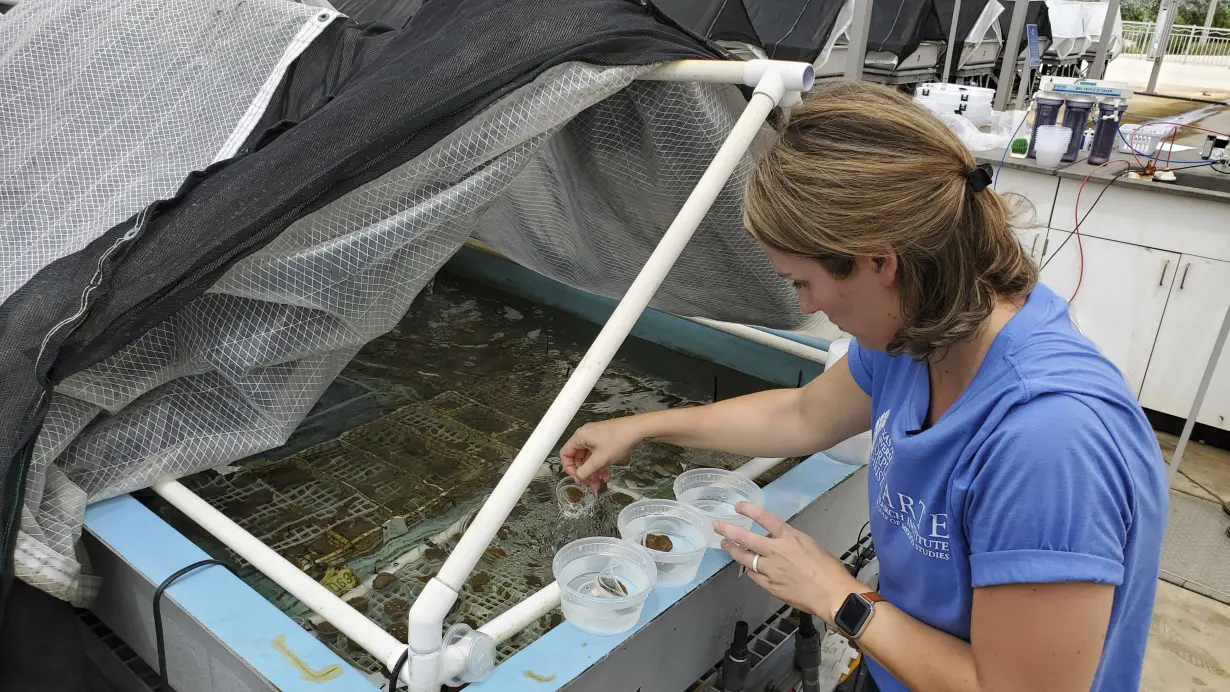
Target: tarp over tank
<point x="899" y="26"/>
<point x="199" y="320"/>
<point x="783" y="29"/>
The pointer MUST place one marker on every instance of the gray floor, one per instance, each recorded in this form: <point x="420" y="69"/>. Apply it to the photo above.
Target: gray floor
<point x="1197" y="551"/>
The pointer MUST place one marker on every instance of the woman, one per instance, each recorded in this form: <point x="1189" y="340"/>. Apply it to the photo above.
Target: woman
<point x="1017" y="494"/>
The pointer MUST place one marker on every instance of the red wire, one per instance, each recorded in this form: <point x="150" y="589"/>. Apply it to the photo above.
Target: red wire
<point x="1175" y="133"/>
<point x="1190" y="127"/>
<point x="1076" y="217"/>
<point x="1076" y="227"/>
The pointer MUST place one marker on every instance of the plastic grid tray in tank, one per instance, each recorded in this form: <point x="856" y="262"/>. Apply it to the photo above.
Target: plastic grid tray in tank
<point x="476" y="415"/>
<point x="398" y="463"/>
<point x="266" y="510"/>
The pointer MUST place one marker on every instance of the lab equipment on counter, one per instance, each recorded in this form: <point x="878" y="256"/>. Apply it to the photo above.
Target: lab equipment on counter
<point x="1076" y="111"/>
<point x="1046" y="114"/>
<point x="1106" y="133"/>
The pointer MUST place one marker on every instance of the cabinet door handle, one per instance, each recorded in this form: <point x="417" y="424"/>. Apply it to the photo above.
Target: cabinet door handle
<point x="1045" y="243"/>
<point x="1184" y="279"/>
<point x="1163" y="276"/>
<point x="1035" y="244"/>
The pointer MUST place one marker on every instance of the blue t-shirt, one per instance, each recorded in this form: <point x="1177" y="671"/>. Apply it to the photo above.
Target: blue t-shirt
<point x="1044" y="470"/>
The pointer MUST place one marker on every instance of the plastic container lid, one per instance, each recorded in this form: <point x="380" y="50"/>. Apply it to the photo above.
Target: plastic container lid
<point x="1052" y="136"/>
<point x="479" y="653"/>
<point x="715" y="492"/>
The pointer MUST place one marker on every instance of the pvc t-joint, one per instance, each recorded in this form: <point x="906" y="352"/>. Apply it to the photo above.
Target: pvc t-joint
<point x="793" y="76"/>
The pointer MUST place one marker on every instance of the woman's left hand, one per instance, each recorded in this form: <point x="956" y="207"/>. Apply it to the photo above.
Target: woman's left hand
<point x="792" y="566"/>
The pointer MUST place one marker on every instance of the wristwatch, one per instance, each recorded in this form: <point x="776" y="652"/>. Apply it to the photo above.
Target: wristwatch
<point x="854" y="614"/>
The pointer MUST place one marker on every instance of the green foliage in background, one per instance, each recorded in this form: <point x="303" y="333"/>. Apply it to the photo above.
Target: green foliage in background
<point x="1191" y="12"/>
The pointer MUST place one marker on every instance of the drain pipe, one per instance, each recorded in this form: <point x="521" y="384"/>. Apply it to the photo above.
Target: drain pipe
<point x="807" y="652"/>
<point x="438" y="596"/>
<point x="735" y="665"/>
<point x="771" y="340"/>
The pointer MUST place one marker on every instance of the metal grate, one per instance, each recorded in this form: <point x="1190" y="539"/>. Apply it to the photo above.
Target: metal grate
<point x="120" y="667"/>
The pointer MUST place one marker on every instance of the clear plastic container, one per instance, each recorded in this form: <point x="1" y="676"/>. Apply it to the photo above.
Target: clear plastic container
<point x="603" y="583"/>
<point x="575" y="500"/>
<point x="676" y="534"/>
<point x="1045" y="114"/>
<point x="1050" y="144"/>
<point x="715" y="492"/>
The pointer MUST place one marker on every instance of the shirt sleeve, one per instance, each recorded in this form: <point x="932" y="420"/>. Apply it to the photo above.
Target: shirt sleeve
<point x="860" y="364"/>
<point x="1051" y="500"/>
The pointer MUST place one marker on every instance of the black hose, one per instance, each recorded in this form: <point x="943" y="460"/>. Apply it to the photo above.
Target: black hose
<point x="807" y="652"/>
<point x="395" y="674"/>
<point x="158" y="641"/>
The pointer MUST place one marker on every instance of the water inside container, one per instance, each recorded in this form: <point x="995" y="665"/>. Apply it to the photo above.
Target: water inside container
<point x="667" y="534"/>
<point x="718" y="508"/>
<point x="602" y="578"/>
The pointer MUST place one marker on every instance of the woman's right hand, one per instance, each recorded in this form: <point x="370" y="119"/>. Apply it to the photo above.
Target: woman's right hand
<point x="588" y="454"/>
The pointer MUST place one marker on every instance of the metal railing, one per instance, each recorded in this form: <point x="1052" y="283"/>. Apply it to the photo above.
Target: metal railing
<point x="1188" y="43"/>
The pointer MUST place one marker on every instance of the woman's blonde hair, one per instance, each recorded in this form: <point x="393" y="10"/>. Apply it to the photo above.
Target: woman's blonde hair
<point x="857" y="166"/>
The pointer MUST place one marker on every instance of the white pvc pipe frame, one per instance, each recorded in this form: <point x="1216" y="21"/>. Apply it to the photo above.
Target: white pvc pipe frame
<point x="772" y="80"/>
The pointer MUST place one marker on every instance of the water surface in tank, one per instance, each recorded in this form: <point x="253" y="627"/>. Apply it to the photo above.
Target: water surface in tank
<point x="370" y="492"/>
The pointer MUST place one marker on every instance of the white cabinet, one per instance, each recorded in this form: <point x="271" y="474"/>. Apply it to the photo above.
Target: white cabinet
<point x="1034" y="241"/>
<point x="1039" y="193"/>
<point x="1194" y="313"/>
<point x="1038" y="190"/>
<point x="1142" y="217"/>
<point x="1122" y="295"/>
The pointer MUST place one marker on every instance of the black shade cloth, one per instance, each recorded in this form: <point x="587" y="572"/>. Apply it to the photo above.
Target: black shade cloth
<point x="1034" y="14"/>
<point x="785" y="29"/>
<point x="899" y="26"/>
<point x="970" y="11"/>
<point x="394" y="13"/>
<point x="41" y="646"/>
<point x="361" y="102"/>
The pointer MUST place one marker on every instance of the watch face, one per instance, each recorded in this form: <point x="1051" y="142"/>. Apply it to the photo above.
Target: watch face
<point x="852" y="614"/>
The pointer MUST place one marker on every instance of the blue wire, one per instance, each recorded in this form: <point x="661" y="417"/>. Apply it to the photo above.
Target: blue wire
<point x="1008" y="148"/>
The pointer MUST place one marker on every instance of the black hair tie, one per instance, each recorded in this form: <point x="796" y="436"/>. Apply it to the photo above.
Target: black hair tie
<point x="979" y="177"/>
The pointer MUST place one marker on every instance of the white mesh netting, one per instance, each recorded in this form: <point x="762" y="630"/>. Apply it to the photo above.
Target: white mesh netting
<point x="104" y="108"/>
<point x="575" y="175"/>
